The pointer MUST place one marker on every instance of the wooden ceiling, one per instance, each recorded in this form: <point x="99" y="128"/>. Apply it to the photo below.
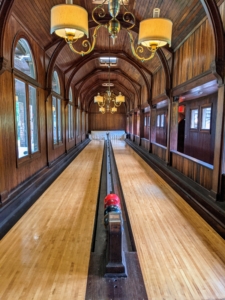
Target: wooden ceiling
<point x="129" y="72"/>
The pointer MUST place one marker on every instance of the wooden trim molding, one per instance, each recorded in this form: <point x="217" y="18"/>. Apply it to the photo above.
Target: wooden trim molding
<point x="51" y="64"/>
<point x="3" y="64"/>
<point x="160" y="98"/>
<point x="4" y="13"/>
<point x="167" y="72"/>
<point x="192" y="83"/>
<point x="4" y="196"/>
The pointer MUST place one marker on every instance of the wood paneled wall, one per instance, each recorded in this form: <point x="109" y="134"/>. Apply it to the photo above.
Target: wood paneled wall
<point x="199" y="143"/>
<point x="107" y="121"/>
<point x="194" y="56"/>
<point x="12" y="175"/>
<point x="159" y="83"/>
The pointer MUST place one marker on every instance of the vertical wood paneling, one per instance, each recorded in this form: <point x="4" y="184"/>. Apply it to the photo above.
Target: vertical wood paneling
<point x="159" y="83"/>
<point x="193" y="169"/>
<point x="161" y="132"/>
<point x="194" y="56"/>
<point x="107" y="121"/>
<point x="197" y="140"/>
<point x="159" y="151"/>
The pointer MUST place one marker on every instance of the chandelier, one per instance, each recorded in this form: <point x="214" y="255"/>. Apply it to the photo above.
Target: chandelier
<point x="109" y="101"/>
<point x="70" y="22"/>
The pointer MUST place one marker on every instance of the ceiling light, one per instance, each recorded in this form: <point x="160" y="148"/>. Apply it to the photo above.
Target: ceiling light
<point x="70" y="21"/>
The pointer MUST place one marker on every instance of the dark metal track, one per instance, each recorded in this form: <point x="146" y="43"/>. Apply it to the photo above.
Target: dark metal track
<point x="99" y="287"/>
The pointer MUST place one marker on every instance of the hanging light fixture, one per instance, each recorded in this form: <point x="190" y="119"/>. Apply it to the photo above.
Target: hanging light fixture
<point x="70" y="22"/>
<point x="109" y="98"/>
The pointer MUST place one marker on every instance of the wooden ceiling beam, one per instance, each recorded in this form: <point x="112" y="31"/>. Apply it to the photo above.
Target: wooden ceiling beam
<point x="5" y="9"/>
<point x="95" y="55"/>
<point x="88" y="77"/>
<point x="214" y="17"/>
<point x="127" y="93"/>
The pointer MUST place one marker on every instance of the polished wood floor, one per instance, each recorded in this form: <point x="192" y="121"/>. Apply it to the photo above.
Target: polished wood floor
<point x="46" y="254"/>
<point x="181" y="256"/>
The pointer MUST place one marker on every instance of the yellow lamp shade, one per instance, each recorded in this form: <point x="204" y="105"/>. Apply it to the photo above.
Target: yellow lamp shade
<point x="114" y="109"/>
<point x="69" y="19"/>
<point x="120" y="98"/>
<point x="157" y="31"/>
<point x="102" y="109"/>
<point x="98" y="99"/>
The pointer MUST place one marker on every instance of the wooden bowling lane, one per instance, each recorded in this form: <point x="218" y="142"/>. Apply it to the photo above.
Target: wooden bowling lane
<point x="181" y="256"/>
<point x="46" y="254"/>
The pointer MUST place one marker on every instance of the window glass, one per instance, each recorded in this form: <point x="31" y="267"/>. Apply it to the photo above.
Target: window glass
<point x="33" y="119"/>
<point x="107" y="60"/>
<point x="194" y="119"/>
<point x="21" y="118"/>
<point x="70" y="95"/>
<point x="55" y="83"/>
<point x="162" y="122"/>
<point x="54" y="120"/>
<point x="158" y="121"/>
<point x="70" y="111"/>
<point x="23" y="59"/>
<point x="78" y="122"/>
<point x="59" y="120"/>
<point x="206" y="117"/>
<point x="145" y="121"/>
<point x="148" y="120"/>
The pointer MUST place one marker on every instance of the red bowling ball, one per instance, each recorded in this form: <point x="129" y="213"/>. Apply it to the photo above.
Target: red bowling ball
<point x="112" y="202"/>
<point x="111" y="199"/>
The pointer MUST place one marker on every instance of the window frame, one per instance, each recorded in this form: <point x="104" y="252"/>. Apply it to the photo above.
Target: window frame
<point x="207" y="105"/>
<point x="158" y="120"/>
<point x="58" y="97"/>
<point x="197" y="127"/>
<point x="59" y="142"/>
<point x="71" y="119"/>
<point x="32" y="82"/>
<point x="160" y="117"/>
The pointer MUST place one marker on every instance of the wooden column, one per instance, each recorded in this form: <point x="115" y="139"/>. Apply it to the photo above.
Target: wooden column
<point x="141" y="124"/>
<point x="168" y="131"/>
<point x="152" y="126"/>
<point x="174" y="125"/>
<point x="219" y="147"/>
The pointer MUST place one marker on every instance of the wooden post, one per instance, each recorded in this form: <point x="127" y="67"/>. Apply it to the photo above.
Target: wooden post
<point x="218" y="148"/>
<point x="174" y="126"/>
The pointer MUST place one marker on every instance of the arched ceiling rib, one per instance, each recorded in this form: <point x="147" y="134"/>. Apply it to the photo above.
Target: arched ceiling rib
<point x="185" y="14"/>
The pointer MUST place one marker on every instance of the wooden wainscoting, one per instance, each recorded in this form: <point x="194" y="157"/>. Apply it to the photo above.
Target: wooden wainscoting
<point x="193" y="168"/>
<point x="137" y="139"/>
<point x="159" y="150"/>
<point x="145" y="144"/>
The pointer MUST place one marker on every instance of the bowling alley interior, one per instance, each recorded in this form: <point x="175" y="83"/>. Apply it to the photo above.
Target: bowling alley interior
<point x="112" y="150"/>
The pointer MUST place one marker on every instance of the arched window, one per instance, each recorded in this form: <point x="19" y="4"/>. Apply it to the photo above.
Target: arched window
<point x="26" y="103"/>
<point x="23" y="58"/>
<point x="56" y="110"/>
<point x="55" y="83"/>
<point x="70" y="115"/>
<point x="78" y="118"/>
